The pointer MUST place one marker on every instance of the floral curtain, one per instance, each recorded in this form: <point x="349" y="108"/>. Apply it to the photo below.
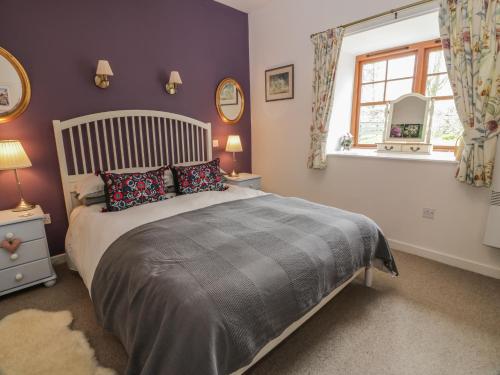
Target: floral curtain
<point x="326" y="55"/>
<point x="470" y="33"/>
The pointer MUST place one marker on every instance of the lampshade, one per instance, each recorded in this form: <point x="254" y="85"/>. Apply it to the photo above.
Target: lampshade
<point x="103" y="68"/>
<point x="175" y="77"/>
<point x="234" y="144"/>
<point x="13" y="156"/>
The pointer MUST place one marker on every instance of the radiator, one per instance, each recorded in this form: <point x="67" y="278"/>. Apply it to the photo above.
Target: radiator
<point x="492" y="234"/>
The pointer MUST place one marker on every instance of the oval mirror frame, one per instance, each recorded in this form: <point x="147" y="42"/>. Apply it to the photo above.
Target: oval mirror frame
<point x="26" y="88"/>
<point x="239" y="91"/>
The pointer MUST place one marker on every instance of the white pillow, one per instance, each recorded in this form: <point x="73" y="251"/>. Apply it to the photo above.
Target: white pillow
<point x="89" y="185"/>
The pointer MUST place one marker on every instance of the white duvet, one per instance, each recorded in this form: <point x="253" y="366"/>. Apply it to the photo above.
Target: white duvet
<point x="91" y="232"/>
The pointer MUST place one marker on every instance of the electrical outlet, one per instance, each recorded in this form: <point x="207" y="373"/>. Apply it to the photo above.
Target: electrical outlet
<point x="47" y="219"/>
<point x="429" y="213"/>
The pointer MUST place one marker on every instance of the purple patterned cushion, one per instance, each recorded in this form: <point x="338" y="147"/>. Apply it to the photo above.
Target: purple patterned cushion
<point x="198" y="178"/>
<point x="133" y="189"/>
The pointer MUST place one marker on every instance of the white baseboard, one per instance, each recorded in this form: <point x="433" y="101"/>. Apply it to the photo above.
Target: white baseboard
<point x="451" y="260"/>
<point x="58" y="259"/>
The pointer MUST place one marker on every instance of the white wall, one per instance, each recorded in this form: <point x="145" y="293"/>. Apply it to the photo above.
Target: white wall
<point x="342" y="104"/>
<point x="393" y="192"/>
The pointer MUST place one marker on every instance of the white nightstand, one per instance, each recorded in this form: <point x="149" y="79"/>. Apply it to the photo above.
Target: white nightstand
<point x="249" y="180"/>
<point x="30" y="264"/>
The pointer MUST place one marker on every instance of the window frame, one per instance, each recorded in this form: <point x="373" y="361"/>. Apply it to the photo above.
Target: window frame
<point x="421" y="51"/>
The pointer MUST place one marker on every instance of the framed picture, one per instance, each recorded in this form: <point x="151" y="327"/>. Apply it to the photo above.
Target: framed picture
<point x="279" y="83"/>
<point x="229" y="95"/>
<point x="4" y="96"/>
<point x="405" y="131"/>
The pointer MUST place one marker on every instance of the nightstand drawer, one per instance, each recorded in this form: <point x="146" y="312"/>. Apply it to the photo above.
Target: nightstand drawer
<point x="24" y="274"/>
<point x="25" y="231"/>
<point x="27" y="252"/>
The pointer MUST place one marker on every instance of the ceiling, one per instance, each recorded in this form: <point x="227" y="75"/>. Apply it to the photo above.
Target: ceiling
<point x="244" y="5"/>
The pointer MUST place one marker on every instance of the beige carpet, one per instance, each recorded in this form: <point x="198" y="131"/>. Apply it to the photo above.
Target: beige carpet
<point x="434" y="319"/>
<point x="37" y="342"/>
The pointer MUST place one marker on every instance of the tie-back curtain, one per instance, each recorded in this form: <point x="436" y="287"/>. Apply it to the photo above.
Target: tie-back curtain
<point x="470" y="34"/>
<point x="326" y="55"/>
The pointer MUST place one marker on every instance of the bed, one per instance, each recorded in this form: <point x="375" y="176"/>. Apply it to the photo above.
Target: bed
<point x="204" y="283"/>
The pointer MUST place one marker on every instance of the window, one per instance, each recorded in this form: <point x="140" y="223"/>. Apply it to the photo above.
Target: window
<point x="386" y="75"/>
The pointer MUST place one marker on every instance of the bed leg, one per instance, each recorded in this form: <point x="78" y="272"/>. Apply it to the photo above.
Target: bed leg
<point x="368" y="276"/>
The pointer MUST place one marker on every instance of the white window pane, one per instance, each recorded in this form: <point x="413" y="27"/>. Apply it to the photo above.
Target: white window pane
<point x="371" y="124"/>
<point x="438" y="85"/>
<point x="436" y="62"/>
<point x="401" y="67"/>
<point x="397" y="88"/>
<point x="372" y="92"/>
<point x="446" y="126"/>
<point x="373" y="72"/>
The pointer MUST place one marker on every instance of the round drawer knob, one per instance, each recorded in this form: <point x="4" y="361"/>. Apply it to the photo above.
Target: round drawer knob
<point x="14" y="256"/>
<point x="19" y="277"/>
<point x="9" y="236"/>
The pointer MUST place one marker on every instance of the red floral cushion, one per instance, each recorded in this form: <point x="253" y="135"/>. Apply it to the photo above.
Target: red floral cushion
<point x="198" y="178"/>
<point x="126" y="190"/>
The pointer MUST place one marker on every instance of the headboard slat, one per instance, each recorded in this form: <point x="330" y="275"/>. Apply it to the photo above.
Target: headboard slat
<point x="82" y="150"/>
<point x="115" y="156"/>
<point x="98" y="143"/>
<point x="161" y="139"/>
<point x="134" y="136"/>
<point x="148" y="143"/>
<point x="89" y="142"/>
<point x="124" y="140"/>
<point x="120" y="137"/>
<point x="106" y="145"/>
<point x="73" y="151"/>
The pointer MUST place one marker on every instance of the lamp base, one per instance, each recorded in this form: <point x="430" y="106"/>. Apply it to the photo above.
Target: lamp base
<point x="234" y="174"/>
<point x="23" y="206"/>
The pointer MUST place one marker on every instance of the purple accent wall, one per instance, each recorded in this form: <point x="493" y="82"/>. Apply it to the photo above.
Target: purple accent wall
<point x="59" y="43"/>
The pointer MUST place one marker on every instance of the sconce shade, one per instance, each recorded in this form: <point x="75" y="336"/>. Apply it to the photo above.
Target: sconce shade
<point x="234" y="144"/>
<point x="103" y="68"/>
<point x="175" y="78"/>
<point x="13" y="156"/>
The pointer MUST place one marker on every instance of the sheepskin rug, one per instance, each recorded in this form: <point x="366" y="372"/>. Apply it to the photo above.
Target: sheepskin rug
<point x="37" y="342"/>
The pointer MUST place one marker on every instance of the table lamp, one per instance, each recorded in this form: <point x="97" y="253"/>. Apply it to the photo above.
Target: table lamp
<point x="234" y="145"/>
<point x="13" y="157"/>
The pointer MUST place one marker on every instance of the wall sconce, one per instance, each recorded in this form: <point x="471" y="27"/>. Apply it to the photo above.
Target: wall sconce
<point x="102" y="73"/>
<point x="173" y="82"/>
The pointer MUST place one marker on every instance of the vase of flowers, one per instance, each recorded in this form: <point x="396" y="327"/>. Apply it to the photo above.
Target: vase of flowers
<point x="346" y="142"/>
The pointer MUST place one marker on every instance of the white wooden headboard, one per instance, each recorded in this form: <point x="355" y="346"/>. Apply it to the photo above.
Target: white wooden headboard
<point x="123" y="140"/>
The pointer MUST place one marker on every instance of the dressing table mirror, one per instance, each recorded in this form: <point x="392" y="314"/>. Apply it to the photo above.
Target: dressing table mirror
<point x="408" y="125"/>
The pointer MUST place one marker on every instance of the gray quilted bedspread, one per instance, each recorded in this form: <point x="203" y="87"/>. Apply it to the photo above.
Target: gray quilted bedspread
<point x="202" y="292"/>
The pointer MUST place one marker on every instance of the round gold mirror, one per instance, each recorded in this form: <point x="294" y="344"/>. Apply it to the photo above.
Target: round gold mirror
<point x="230" y="101"/>
<point x="15" y="89"/>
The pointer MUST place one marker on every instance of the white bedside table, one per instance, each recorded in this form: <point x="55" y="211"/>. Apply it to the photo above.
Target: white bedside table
<point x="30" y="264"/>
<point x="248" y="180"/>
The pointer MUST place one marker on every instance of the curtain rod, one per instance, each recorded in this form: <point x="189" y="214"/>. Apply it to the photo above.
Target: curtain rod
<point x="392" y="11"/>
